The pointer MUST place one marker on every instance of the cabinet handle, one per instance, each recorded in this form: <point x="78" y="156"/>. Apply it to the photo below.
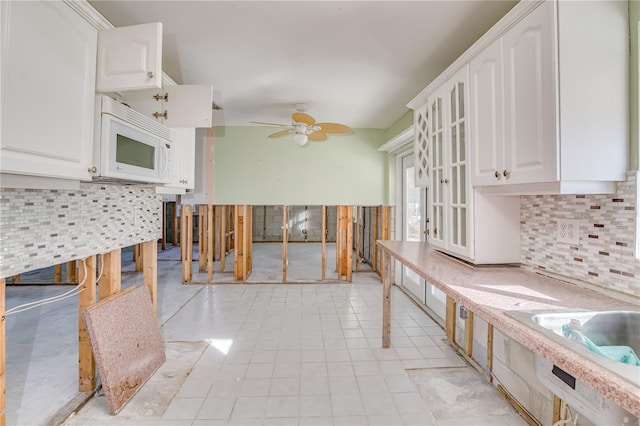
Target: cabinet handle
<point x="435" y="231"/>
<point x="92" y="169"/>
<point x="506" y="173"/>
<point x="497" y="174"/>
<point x="149" y="75"/>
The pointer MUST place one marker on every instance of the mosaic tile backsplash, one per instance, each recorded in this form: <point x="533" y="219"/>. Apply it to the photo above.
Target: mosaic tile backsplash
<point x="41" y="228"/>
<point x="605" y="255"/>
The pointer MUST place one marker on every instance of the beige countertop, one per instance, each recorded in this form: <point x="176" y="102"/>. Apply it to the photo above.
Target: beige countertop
<point x="489" y="292"/>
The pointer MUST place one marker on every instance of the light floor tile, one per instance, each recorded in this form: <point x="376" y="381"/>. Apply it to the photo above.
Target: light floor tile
<point x="314" y="386"/>
<point x="251" y="407"/>
<point x="284" y="386"/>
<point x="347" y="405"/>
<point x="344" y="386"/>
<point x="255" y="387"/>
<point x="378" y="404"/>
<point x="183" y="408"/>
<point x="372" y="385"/>
<point x="283" y="406"/>
<point x="216" y="408"/>
<point x="315" y="406"/>
<point x="410" y="402"/>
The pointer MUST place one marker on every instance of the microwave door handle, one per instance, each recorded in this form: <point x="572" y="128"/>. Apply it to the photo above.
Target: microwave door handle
<point x="165" y="158"/>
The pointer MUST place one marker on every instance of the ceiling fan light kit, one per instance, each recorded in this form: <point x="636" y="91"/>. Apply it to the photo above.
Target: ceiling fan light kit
<point x="305" y="129"/>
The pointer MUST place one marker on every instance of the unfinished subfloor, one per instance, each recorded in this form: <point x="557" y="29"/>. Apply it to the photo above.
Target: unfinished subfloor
<point x="281" y="354"/>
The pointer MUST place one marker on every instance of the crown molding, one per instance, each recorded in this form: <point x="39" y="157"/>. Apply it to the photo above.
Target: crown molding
<point x="398" y="140"/>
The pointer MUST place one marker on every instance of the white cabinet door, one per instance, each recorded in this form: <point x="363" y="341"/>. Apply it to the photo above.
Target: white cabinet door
<point x="486" y="116"/>
<point x="437" y="191"/>
<point x="421" y="146"/>
<point x="531" y="148"/>
<point x="182" y="161"/>
<point x="48" y="93"/>
<point x="456" y="180"/>
<point x="129" y="58"/>
<point x="175" y="106"/>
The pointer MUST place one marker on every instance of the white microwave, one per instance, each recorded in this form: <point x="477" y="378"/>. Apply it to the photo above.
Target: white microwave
<point x="128" y="146"/>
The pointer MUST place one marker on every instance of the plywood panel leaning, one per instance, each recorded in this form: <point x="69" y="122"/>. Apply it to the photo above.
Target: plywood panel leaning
<point x="126" y="343"/>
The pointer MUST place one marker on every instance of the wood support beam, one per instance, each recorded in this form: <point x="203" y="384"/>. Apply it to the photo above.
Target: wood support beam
<point x="468" y="334"/>
<point x="3" y="351"/>
<point x="186" y="243"/>
<point x="202" y="238"/>
<point x="357" y="238"/>
<point x="210" y="241"/>
<point x="174" y="224"/>
<point x="137" y="257"/>
<point x="324" y="242"/>
<point x="86" y="298"/>
<point x="284" y="244"/>
<point x="450" y="319"/>
<point x="375" y="238"/>
<point x="242" y="234"/>
<point x="223" y="237"/>
<point x="386" y="300"/>
<point x="344" y="243"/>
<point x="110" y="281"/>
<point x="57" y="274"/>
<point x="150" y="270"/>
<point x="72" y="276"/>
<point x="15" y="279"/>
<point x="490" y="350"/>
<point x="557" y="410"/>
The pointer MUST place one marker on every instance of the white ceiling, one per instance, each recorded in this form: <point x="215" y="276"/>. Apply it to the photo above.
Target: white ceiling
<point x="353" y="62"/>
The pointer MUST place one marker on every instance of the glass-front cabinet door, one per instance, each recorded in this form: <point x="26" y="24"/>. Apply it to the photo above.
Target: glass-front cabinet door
<point x="437" y="192"/>
<point x="457" y="143"/>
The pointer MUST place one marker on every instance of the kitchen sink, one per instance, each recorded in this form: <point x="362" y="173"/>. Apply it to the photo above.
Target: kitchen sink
<point x="603" y="328"/>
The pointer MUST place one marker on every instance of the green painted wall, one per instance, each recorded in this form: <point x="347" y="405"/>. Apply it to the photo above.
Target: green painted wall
<point x="401" y="124"/>
<point x="250" y="168"/>
<point x="634" y="134"/>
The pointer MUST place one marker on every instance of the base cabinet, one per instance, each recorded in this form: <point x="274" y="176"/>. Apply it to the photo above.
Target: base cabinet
<point x="48" y="75"/>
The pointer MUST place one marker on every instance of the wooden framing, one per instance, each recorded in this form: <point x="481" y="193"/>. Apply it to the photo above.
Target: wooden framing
<point x="202" y="238"/>
<point x="285" y="236"/>
<point x="386" y="300"/>
<point x="223" y="237"/>
<point x="186" y="243"/>
<point x="174" y="224"/>
<point x="557" y="410"/>
<point x="3" y="351"/>
<point x="15" y="279"/>
<point x="71" y="272"/>
<point x="358" y="238"/>
<point x="468" y="333"/>
<point x="243" y="242"/>
<point x="324" y="242"/>
<point x="210" y="241"/>
<point x="110" y="281"/>
<point x="450" y="319"/>
<point x="150" y="270"/>
<point x="137" y="257"/>
<point x="86" y="298"/>
<point x="490" y="350"/>
<point x="344" y="243"/>
<point x="164" y="226"/>
<point x="375" y="238"/>
<point x="57" y="273"/>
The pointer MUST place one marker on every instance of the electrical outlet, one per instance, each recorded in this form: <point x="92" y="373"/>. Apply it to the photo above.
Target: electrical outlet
<point x="569" y="231"/>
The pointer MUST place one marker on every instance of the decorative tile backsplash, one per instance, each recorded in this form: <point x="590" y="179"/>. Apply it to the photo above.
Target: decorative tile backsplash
<point x="605" y="255"/>
<point x="41" y="228"/>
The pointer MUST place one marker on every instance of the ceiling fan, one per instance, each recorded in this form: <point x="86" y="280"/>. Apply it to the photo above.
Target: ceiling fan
<point x="304" y="127"/>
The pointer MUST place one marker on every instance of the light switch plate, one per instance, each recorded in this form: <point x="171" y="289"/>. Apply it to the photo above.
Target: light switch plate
<point x="569" y="231"/>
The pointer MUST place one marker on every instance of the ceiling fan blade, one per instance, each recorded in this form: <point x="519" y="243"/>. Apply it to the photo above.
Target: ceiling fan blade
<point x="334" y="128"/>
<point x="317" y="136"/>
<point x="270" y="124"/>
<point x="280" y="133"/>
<point x="301" y="117"/>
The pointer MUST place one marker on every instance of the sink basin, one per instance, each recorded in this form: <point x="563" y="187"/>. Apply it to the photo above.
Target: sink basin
<point x="610" y="327"/>
<point x="604" y="327"/>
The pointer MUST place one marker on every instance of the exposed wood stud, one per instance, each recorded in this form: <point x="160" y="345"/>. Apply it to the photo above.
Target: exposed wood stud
<point x="164" y="227"/>
<point x="223" y="236"/>
<point x="284" y="244"/>
<point x="150" y="270"/>
<point x="324" y="242"/>
<point x="468" y="333"/>
<point x="86" y="298"/>
<point x="490" y="350"/>
<point x="386" y="301"/>
<point x="375" y="238"/>
<point x="137" y="257"/>
<point x="72" y="276"/>
<point x="110" y="281"/>
<point x="174" y="223"/>
<point x="210" y="241"/>
<point x="186" y="243"/>
<point x="349" y="243"/>
<point x="450" y="319"/>
<point x="3" y="351"/>
<point x="557" y="408"/>
<point x="15" y="279"/>
<point x="57" y="274"/>
<point x="358" y="238"/>
<point x="202" y="238"/>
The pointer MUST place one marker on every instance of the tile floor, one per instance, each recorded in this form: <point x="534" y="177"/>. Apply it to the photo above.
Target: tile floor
<point x="306" y="354"/>
<point x="272" y="354"/>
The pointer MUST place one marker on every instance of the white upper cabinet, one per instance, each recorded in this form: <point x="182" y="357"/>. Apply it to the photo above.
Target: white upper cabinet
<point x="550" y="101"/>
<point x="421" y="146"/>
<point x="175" y="106"/>
<point x="129" y="58"/>
<point x="182" y="162"/>
<point x="48" y="91"/>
